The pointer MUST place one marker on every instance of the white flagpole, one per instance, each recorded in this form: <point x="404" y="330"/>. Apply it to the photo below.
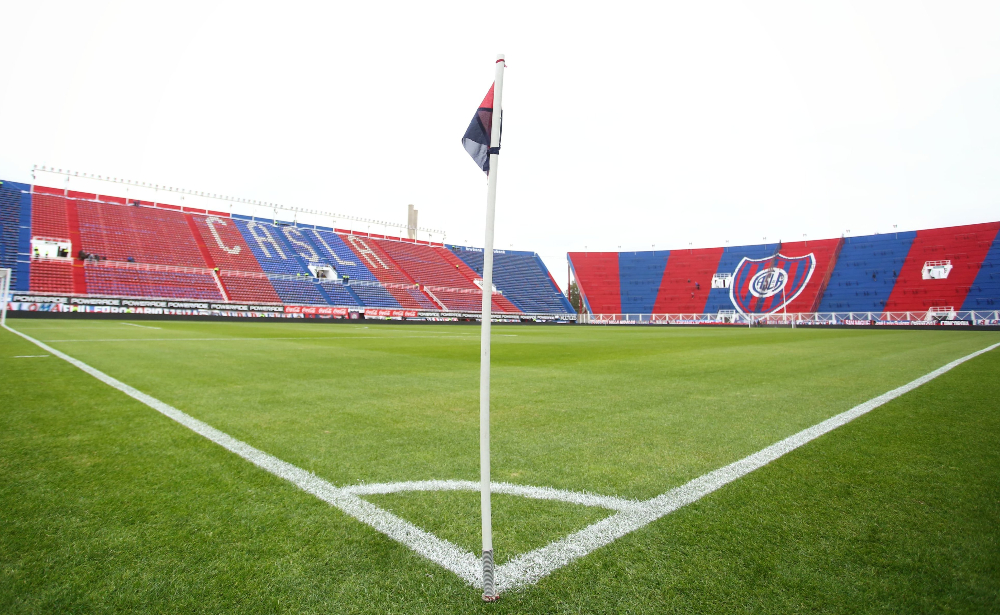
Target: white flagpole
<point x="489" y="582"/>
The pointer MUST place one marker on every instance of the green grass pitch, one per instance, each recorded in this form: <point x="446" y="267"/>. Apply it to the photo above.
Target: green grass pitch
<point x="108" y="506"/>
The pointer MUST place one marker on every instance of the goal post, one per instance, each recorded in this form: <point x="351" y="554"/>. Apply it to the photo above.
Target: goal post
<point x="4" y="295"/>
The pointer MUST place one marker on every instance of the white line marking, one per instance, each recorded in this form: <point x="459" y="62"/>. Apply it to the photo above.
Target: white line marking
<point x="242" y="339"/>
<point x="140" y="326"/>
<point x="530" y="567"/>
<point x="33" y="329"/>
<point x="535" y="493"/>
<point x="30" y="356"/>
<point x="462" y="563"/>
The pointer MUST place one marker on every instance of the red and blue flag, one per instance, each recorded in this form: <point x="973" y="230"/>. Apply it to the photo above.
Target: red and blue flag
<point x="477" y="137"/>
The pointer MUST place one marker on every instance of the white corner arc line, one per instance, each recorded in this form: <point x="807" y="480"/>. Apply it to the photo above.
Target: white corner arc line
<point x="444" y="553"/>
<point x="526" y="491"/>
<point x="530" y="567"/>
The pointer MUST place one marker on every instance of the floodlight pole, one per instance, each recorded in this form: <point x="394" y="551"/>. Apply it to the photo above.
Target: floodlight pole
<point x="489" y="580"/>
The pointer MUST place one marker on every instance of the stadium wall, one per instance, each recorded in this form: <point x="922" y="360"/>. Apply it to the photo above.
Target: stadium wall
<point x="942" y="270"/>
<point x="85" y="252"/>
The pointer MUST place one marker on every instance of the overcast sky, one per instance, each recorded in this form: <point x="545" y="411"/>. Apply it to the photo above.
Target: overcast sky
<point x="626" y="125"/>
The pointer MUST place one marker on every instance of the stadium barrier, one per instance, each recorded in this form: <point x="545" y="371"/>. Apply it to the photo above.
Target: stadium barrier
<point x="935" y="316"/>
<point x="66" y="303"/>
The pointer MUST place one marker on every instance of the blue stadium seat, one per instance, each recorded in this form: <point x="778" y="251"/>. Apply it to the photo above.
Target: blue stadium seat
<point x="522" y="278"/>
<point x="866" y="272"/>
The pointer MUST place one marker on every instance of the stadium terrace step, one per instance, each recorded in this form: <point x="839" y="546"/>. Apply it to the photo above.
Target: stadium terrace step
<point x="116" y="279"/>
<point x="522" y="277"/>
<point x="231" y="254"/>
<point x="385" y="270"/>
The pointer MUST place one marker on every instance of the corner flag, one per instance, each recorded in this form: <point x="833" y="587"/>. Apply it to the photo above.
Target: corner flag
<point x="482" y="141"/>
<point x="477" y="137"/>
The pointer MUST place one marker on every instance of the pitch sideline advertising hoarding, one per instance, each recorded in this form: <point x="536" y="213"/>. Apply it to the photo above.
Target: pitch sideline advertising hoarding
<point x="38" y="302"/>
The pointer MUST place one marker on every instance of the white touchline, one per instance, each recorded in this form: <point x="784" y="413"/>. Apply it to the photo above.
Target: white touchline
<point x="30" y="356"/>
<point x="530" y="567"/>
<point x="140" y="326"/>
<point x="245" y="339"/>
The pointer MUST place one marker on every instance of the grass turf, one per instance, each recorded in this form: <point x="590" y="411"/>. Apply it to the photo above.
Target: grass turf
<point x="109" y="506"/>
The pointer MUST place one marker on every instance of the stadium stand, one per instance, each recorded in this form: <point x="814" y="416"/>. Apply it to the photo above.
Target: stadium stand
<point x="51" y="217"/>
<point x="53" y="275"/>
<point x="914" y="271"/>
<point x="119" y="232"/>
<point x="423" y="265"/>
<point x="639" y="276"/>
<point x="985" y="291"/>
<point x="957" y="268"/>
<point x="442" y="277"/>
<point x="361" y="282"/>
<point x="112" y="278"/>
<point x="687" y="280"/>
<point x="866" y="272"/>
<point x="521" y="276"/>
<point x="599" y="282"/>
<point x="112" y="247"/>
<point x="401" y="286"/>
<point x="108" y="246"/>
<point x="958" y="253"/>
<point x="10" y="227"/>
<point x="239" y="272"/>
<point x="291" y="277"/>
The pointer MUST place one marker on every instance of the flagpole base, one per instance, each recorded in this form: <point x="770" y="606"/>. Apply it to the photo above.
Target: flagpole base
<point x="489" y="581"/>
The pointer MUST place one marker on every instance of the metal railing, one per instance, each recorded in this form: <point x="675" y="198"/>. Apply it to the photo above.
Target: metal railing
<point x="931" y="315"/>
